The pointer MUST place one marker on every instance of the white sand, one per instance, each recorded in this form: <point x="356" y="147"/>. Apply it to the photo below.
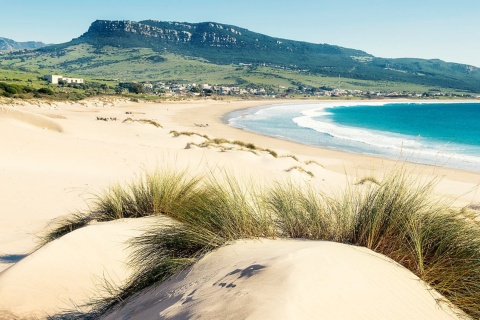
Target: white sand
<point x="75" y="268"/>
<point x="53" y="157"/>
<point x="289" y="279"/>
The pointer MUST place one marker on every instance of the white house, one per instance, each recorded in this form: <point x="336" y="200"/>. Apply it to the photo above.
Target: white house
<point x="53" y="78"/>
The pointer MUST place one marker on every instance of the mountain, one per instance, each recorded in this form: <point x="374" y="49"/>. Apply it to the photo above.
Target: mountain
<point x="219" y="43"/>
<point x="9" y="44"/>
<point x="132" y="50"/>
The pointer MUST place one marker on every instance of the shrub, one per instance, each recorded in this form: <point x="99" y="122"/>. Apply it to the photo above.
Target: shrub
<point x="46" y="91"/>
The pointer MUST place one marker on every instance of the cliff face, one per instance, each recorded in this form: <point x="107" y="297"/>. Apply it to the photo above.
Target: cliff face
<point x="206" y="34"/>
<point x="9" y="44"/>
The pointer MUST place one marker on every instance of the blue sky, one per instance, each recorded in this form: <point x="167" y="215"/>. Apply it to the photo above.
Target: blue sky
<point x="443" y="29"/>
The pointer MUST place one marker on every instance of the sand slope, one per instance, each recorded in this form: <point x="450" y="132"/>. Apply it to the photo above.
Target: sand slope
<point x="71" y="270"/>
<point x="288" y="279"/>
<point x="29" y="118"/>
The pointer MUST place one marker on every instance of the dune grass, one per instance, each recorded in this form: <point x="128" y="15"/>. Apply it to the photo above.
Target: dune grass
<point x="217" y="142"/>
<point x="300" y="169"/>
<point x="368" y="179"/>
<point x="160" y="192"/>
<point x="148" y="121"/>
<point x="64" y="225"/>
<point x="294" y="157"/>
<point x="398" y="217"/>
<point x="309" y="162"/>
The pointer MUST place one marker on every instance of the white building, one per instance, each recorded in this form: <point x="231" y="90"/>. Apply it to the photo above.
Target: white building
<point x="53" y="78"/>
<point x="72" y="80"/>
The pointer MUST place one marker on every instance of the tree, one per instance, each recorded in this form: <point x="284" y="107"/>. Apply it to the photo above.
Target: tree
<point x="104" y="87"/>
<point x="132" y="87"/>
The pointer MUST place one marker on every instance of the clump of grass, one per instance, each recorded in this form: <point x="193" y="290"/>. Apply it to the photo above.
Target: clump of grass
<point x="188" y="134"/>
<point x="152" y="122"/>
<point x="153" y="194"/>
<point x="273" y="153"/>
<point x="300" y="169"/>
<point x="65" y="225"/>
<point x="301" y="212"/>
<point x="148" y="121"/>
<point x="398" y="218"/>
<point x="220" y="141"/>
<point x="368" y="179"/>
<point x="247" y="145"/>
<point x="308" y="162"/>
<point x="290" y="156"/>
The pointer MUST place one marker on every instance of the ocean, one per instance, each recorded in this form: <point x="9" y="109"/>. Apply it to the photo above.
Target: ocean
<point x="435" y="133"/>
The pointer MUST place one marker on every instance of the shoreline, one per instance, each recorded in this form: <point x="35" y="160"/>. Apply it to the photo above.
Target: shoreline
<point x="417" y="157"/>
<point x="217" y="117"/>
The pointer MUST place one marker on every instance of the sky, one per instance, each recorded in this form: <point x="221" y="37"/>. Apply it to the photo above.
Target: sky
<point x="433" y="29"/>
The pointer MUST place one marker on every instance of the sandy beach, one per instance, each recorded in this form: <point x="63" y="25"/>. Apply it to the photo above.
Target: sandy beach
<point x="54" y="157"/>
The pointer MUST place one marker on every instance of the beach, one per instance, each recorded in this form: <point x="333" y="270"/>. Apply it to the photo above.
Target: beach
<point x="56" y="156"/>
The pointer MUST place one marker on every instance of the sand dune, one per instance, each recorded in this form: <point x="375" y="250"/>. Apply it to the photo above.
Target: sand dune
<point x="45" y="175"/>
<point x="289" y="279"/>
<point x="30" y="118"/>
<point x="69" y="270"/>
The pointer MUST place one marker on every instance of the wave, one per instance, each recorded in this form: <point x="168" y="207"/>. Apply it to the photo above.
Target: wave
<point x="324" y="132"/>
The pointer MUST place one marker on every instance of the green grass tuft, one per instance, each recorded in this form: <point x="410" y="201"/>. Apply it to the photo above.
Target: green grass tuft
<point x="300" y="169"/>
<point x="153" y="194"/>
<point x="188" y="134"/>
<point x="368" y="179"/>
<point x="398" y="217"/>
<point x="273" y="153"/>
<point x="290" y="156"/>
<point x="148" y="121"/>
<point x="308" y="162"/>
<point x="65" y="225"/>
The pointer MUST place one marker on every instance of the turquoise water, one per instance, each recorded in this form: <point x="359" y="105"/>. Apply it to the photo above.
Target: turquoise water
<point x="445" y="134"/>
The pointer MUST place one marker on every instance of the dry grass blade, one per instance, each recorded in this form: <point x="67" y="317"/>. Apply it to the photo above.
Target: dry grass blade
<point x="65" y="225"/>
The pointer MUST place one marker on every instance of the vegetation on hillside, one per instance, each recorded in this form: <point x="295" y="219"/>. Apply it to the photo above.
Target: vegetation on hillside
<point x="222" y="54"/>
<point x="116" y="71"/>
<point x="16" y="90"/>
<point x="397" y="217"/>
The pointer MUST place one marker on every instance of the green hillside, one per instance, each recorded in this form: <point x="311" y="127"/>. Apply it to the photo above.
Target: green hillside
<point x="144" y="64"/>
<point x="222" y="54"/>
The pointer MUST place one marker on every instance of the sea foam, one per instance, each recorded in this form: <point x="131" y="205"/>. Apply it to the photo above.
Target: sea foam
<point x="312" y="124"/>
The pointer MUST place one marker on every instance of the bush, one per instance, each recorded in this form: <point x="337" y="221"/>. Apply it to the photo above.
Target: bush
<point x="46" y="91"/>
<point x="8" y="90"/>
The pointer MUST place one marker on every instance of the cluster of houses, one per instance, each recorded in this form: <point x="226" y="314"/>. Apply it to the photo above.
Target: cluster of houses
<point x="170" y="89"/>
<point x="192" y="89"/>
